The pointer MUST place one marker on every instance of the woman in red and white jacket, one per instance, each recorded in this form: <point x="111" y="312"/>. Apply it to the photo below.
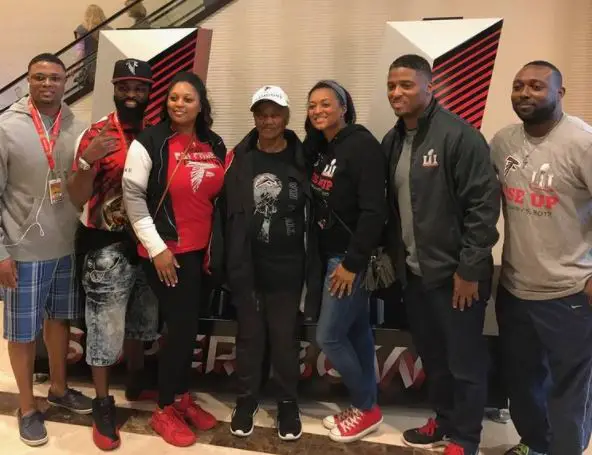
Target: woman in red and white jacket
<point x="174" y="172"/>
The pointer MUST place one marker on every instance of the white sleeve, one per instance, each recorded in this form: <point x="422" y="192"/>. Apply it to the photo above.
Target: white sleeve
<point x="135" y="181"/>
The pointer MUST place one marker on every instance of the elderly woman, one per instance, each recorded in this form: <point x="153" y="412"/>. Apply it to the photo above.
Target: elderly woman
<point x="267" y="194"/>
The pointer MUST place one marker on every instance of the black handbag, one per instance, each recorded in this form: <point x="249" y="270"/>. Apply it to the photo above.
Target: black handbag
<point x="380" y="272"/>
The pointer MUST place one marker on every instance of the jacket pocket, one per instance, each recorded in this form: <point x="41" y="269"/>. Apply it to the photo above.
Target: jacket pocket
<point x="19" y="213"/>
<point x="33" y="215"/>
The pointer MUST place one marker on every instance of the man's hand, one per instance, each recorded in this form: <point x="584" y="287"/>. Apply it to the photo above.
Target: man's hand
<point x="464" y="293"/>
<point x="8" y="273"/>
<point x="101" y="146"/>
<point x="341" y="281"/>
<point x="166" y="267"/>
<point x="588" y="290"/>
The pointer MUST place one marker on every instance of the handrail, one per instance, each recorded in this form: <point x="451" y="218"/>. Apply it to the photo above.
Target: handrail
<point x="151" y="17"/>
<point x="82" y="38"/>
<point x="201" y="11"/>
<point x="207" y="11"/>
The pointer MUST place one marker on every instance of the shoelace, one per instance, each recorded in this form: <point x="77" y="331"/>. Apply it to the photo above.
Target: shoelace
<point x="429" y="428"/>
<point x="343" y="414"/>
<point x="172" y="416"/>
<point x="352" y="420"/>
<point x="108" y="416"/>
<point x="196" y="407"/>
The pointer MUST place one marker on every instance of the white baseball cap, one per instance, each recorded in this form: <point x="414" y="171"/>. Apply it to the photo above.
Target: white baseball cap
<point x="270" y="93"/>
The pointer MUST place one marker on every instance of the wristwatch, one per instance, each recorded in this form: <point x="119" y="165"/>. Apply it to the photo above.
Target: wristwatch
<point x="83" y="164"/>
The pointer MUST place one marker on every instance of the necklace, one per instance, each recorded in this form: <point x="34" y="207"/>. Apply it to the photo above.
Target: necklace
<point x="284" y="144"/>
<point x="530" y="146"/>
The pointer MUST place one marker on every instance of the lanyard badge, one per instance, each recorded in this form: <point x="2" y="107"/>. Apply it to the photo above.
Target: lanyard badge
<point x="48" y="141"/>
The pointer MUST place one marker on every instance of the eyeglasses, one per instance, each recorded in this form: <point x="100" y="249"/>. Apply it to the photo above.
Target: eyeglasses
<point x="52" y="78"/>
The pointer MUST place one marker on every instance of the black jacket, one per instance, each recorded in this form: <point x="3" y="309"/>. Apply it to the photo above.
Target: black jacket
<point x="239" y="201"/>
<point x="353" y="166"/>
<point x="155" y="141"/>
<point x="455" y="198"/>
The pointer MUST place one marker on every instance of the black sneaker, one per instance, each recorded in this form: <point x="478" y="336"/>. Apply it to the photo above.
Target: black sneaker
<point x="32" y="428"/>
<point x="242" y="417"/>
<point x="289" y="425"/>
<point x="427" y="437"/>
<point x="72" y="400"/>
<point x="105" y="431"/>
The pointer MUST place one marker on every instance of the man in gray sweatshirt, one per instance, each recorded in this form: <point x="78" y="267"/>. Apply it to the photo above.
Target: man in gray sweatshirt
<point x="37" y="227"/>
<point x="544" y="299"/>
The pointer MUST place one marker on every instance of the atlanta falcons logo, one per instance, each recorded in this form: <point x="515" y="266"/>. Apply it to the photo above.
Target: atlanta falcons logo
<point x="511" y="165"/>
<point x="199" y="170"/>
<point x="132" y="65"/>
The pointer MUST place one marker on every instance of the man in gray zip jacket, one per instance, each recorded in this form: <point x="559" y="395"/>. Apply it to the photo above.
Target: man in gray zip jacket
<point x="445" y="203"/>
<point x="37" y="226"/>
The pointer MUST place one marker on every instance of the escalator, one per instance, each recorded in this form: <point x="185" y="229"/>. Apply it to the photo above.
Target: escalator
<point x="159" y="14"/>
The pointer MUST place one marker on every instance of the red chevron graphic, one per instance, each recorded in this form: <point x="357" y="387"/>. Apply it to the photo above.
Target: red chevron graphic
<point x="462" y="76"/>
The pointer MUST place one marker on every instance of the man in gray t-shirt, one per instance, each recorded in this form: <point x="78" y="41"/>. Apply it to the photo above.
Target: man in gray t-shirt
<point x="543" y="303"/>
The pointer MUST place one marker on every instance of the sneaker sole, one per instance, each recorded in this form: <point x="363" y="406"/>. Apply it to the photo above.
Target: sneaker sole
<point x="242" y="434"/>
<point x="36" y="443"/>
<point x="357" y="437"/>
<point x="431" y="445"/>
<point x="75" y="411"/>
<point x="109" y="444"/>
<point x="174" y="443"/>
<point x="290" y="437"/>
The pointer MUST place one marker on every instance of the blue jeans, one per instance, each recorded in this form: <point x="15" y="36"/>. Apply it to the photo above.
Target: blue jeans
<point x="345" y="336"/>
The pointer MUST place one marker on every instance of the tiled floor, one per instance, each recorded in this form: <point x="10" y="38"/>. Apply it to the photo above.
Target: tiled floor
<point x="72" y="434"/>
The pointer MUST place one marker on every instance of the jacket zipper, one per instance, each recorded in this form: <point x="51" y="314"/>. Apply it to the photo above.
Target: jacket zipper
<point x="164" y="205"/>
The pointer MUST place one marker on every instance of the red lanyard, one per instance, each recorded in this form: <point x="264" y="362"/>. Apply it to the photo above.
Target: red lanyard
<point x="48" y="143"/>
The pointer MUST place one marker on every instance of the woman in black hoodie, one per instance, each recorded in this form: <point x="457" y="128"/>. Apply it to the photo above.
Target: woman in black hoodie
<point x="348" y="186"/>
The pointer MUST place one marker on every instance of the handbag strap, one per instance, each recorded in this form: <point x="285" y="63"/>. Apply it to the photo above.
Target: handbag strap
<point x="345" y="226"/>
<point x="168" y="185"/>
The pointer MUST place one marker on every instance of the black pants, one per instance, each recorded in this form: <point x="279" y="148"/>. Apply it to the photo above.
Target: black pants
<point x="274" y="315"/>
<point x="454" y="353"/>
<point x="547" y="353"/>
<point x="179" y="308"/>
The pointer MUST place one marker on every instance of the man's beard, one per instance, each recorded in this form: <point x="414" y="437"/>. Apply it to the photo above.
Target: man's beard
<point x="539" y="115"/>
<point x="131" y="115"/>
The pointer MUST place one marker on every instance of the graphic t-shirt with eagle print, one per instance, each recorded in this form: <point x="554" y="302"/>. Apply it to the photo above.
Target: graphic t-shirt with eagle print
<point x="193" y="188"/>
<point x="278" y="222"/>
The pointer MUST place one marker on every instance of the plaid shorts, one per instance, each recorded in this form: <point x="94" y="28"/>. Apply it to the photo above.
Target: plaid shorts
<point x="45" y="289"/>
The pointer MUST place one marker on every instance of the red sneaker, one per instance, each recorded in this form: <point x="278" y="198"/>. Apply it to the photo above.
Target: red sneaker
<point x="356" y="425"/>
<point x="169" y="424"/>
<point x="454" y="449"/>
<point x="332" y="421"/>
<point x="194" y="414"/>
